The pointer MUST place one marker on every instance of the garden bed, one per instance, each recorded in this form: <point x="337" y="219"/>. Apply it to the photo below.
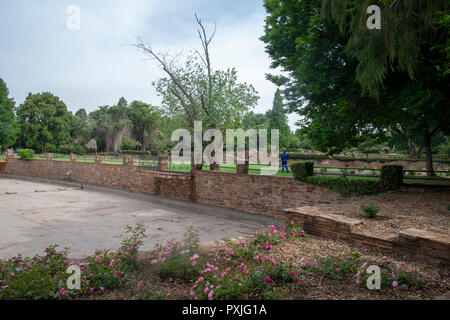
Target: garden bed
<point x="410" y="208"/>
<point x="275" y="262"/>
<point x="312" y="286"/>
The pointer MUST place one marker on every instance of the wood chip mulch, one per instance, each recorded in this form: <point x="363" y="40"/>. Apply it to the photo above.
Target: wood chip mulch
<point x="425" y="210"/>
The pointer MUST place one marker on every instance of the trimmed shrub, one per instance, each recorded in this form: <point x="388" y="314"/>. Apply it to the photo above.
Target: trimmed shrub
<point x="346" y="187"/>
<point x="26" y="154"/>
<point x="370" y="210"/>
<point x="391" y="177"/>
<point x="302" y="169"/>
<point x="75" y="148"/>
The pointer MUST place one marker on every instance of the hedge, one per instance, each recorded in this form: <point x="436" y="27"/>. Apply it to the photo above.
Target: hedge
<point x="302" y="169"/>
<point x="391" y="177"/>
<point x="345" y="186"/>
<point x="138" y="152"/>
<point x="318" y="157"/>
<point x="26" y="154"/>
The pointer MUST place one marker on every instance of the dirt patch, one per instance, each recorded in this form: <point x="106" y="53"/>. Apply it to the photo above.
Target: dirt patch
<point x="400" y="210"/>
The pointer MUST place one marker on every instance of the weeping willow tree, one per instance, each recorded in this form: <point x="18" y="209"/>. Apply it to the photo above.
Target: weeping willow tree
<point x="112" y="124"/>
<point x="404" y="64"/>
<point x="351" y="83"/>
<point x="406" y="25"/>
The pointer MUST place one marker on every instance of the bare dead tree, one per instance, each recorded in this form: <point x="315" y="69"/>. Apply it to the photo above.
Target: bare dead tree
<point x="180" y="91"/>
<point x="168" y="63"/>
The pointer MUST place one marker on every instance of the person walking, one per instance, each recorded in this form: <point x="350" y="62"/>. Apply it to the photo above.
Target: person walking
<point x="284" y="161"/>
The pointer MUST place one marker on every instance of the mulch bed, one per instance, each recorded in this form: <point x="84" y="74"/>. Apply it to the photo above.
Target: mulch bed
<point x="418" y="209"/>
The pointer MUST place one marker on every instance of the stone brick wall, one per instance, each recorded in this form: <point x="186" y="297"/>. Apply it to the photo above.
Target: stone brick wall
<point x="432" y="246"/>
<point x="130" y="178"/>
<point x="265" y="195"/>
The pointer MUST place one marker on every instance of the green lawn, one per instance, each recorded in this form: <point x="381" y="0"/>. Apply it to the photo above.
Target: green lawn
<point x="231" y="168"/>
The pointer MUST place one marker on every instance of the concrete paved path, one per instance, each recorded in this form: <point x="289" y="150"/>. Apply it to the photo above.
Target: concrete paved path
<point x="35" y="214"/>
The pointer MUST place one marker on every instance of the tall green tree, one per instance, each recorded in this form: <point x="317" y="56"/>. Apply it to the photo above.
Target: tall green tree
<point x="252" y="120"/>
<point x="111" y="125"/>
<point x="8" y="126"/>
<point x="330" y="82"/>
<point x="279" y="120"/>
<point x="407" y="30"/>
<point x="44" y="122"/>
<point x="404" y="64"/>
<point x="80" y="128"/>
<point x="321" y="85"/>
<point x="145" y="122"/>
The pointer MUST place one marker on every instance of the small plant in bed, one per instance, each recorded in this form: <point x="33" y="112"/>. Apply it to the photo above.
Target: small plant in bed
<point x="179" y="259"/>
<point x="370" y="210"/>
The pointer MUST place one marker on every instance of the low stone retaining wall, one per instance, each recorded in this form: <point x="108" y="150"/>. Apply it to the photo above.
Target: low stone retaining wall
<point x="257" y="194"/>
<point x="266" y="195"/>
<point x="433" y="247"/>
<point x="130" y="178"/>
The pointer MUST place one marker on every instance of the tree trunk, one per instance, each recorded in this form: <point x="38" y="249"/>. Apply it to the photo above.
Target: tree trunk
<point x="409" y="144"/>
<point x="427" y="145"/>
<point x="144" y="139"/>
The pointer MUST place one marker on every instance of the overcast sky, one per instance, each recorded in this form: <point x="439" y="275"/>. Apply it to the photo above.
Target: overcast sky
<point x="94" y="66"/>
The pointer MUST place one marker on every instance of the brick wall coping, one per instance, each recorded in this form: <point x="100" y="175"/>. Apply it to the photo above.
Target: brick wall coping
<point x="425" y="235"/>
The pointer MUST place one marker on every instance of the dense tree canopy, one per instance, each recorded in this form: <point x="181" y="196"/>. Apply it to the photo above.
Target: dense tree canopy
<point x="44" y="122"/>
<point x="145" y="122"/>
<point x="230" y="98"/>
<point x="111" y="125"/>
<point x="329" y="63"/>
<point x="8" y="127"/>
<point x="278" y="120"/>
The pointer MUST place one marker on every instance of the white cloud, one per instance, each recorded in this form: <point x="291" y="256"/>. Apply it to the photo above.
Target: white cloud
<point x="93" y="66"/>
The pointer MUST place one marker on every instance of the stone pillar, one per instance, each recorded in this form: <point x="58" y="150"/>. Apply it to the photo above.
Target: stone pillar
<point x="163" y="162"/>
<point x="194" y="167"/>
<point x="129" y="161"/>
<point x="10" y="154"/>
<point x="242" y="169"/>
<point x="98" y="159"/>
<point x="73" y="157"/>
<point x="49" y="156"/>
<point x="214" y="167"/>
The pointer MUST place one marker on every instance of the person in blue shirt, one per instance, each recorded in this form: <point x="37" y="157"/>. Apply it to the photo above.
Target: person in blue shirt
<point x="284" y="161"/>
<point x="117" y="154"/>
